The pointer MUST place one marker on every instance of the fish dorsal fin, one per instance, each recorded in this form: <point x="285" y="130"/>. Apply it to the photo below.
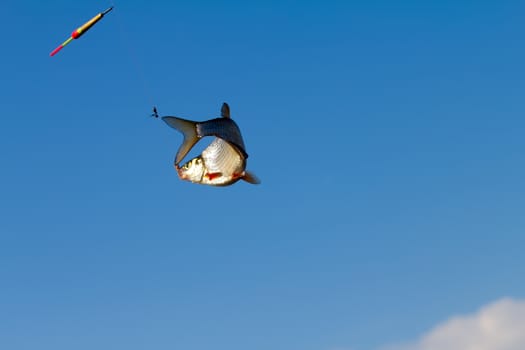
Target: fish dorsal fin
<point x="251" y="178"/>
<point x="188" y="128"/>
<point x="225" y="110"/>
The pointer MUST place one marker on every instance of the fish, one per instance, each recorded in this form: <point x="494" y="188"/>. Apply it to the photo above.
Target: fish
<point x="220" y="164"/>
<point x="192" y="131"/>
<point x="223" y="162"/>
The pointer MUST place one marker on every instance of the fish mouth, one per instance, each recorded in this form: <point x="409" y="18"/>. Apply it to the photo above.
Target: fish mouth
<point x="180" y="172"/>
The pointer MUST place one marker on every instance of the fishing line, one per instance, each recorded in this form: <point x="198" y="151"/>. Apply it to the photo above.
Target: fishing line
<point x="134" y="58"/>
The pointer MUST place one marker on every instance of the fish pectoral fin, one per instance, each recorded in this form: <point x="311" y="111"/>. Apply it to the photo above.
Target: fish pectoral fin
<point x="188" y="129"/>
<point x="225" y="110"/>
<point x="212" y="176"/>
<point x="251" y="178"/>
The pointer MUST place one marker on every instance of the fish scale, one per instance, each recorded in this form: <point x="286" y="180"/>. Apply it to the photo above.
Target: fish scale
<point x="221" y="157"/>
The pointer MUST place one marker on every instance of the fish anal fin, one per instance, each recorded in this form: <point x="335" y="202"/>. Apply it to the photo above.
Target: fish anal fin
<point x="212" y="176"/>
<point x="251" y="178"/>
<point x="189" y="131"/>
<point x="225" y="110"/>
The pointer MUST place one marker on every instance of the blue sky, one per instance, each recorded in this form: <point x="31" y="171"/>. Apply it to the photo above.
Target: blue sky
<point x="388" y="137"/>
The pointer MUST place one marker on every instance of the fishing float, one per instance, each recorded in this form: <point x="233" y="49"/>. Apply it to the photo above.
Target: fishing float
<point x="81" y="30"/>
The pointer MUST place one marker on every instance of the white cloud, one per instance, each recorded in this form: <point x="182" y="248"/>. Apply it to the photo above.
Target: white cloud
<point x="497" y="326"/>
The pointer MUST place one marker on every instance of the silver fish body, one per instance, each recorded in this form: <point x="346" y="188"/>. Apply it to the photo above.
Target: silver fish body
<point x="220" y="164"/>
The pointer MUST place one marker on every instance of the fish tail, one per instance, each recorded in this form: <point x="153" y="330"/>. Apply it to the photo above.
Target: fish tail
<point x="188" y="129"/>
<point x="251" y="178"/>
